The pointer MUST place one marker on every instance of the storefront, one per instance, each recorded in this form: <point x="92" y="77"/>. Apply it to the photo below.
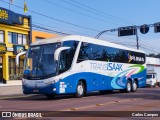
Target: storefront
<point x="15" y="37"/>
<point x="1" y="70"/>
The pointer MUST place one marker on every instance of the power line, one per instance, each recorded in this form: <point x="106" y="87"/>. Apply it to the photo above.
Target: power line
<point x="77" y="12"/>
<point x="94" y="11"/>
<point x="54" y="18"/>
<point x="149" y="49"/>
<point x="142" y="42"/>
<point x="149" y="46"/>
<point x="71" y="32"/>
<point x="40" y="27"/>
<point x="46" y="29"/>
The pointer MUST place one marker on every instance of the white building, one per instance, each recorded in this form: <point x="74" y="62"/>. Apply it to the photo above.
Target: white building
<point x="153" y="66"/>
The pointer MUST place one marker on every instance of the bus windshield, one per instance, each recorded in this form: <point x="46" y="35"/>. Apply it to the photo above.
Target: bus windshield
<point x="39" y="62"/>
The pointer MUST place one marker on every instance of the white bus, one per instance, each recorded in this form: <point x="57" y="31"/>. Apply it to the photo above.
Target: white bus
<point x="77" y="65"/>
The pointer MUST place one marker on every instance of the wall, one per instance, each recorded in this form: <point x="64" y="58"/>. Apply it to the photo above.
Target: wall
<point x="40" y="34"/>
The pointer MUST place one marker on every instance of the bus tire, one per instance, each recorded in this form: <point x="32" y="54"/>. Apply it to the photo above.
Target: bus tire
<point x="80" y="90"/>
<point x="50" y="96"/>
<point x="159" y="84"/>
<point x="128" y="86"/>
<point x="134" y="86"/>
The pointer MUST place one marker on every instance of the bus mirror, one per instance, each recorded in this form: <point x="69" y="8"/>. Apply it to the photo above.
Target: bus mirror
<point x="57" y="52"/>
<point x="18" y="55"/>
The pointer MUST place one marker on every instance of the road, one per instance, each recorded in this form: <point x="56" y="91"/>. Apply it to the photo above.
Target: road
<point x="95" y="104"/>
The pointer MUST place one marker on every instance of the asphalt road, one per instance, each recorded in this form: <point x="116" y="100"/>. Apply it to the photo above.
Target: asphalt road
<point x="94" y="105"/>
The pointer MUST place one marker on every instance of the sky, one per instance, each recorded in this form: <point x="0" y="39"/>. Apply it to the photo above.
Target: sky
<point x="89" y="17"/>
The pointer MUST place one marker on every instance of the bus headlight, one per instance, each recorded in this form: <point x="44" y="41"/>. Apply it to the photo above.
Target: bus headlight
<point x="54" y="89"/>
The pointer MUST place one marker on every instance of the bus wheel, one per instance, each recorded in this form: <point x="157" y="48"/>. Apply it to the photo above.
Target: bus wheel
<point x="50" y="96"/>
<point x="128" y="87"/>
<point x="80" y="89"/>
<point x="134" y="86"/>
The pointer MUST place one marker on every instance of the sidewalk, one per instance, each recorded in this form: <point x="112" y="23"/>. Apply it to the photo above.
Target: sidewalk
<point x="11" y="88"/>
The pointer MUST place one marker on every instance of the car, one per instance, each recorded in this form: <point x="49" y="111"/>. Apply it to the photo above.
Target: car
<point x="151" y="80"/>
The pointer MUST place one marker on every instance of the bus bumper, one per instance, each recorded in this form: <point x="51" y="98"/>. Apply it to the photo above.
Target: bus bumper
<point x="51" y="89"/>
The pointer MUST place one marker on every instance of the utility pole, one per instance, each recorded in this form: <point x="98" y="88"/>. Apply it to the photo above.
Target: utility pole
<point x="99" y="34"/>
<point x="137" y="39"/>
<point x="133" y="30"/>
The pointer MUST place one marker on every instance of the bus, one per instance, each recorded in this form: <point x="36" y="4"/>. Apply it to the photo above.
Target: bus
<point x="78" y="65"/>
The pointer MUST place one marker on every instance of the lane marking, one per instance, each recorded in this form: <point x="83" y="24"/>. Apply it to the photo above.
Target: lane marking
<point x="104" y="104"/>
<point x="64" y="100"/>
<point x="79" y="108"/>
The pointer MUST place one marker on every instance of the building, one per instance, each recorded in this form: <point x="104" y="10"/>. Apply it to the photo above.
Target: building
<point x="153" y="67"/>
<point x="15" y="36"/>
<point x="39" y="35"/>
<point x="153" y="64"/>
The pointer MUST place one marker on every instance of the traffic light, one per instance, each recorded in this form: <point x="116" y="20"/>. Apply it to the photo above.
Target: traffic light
<point x="157" y="27"/>
<point x="125" y="31"/>
<point x="144" y="29"/>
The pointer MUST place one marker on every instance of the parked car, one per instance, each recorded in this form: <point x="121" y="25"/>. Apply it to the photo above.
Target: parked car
<point x="151" y="80"/>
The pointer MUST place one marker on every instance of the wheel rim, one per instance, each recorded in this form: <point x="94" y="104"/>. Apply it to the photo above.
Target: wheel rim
<point x="134" y="86"/>
<point x="80" y="89"/>
<point x="129" y="87"/>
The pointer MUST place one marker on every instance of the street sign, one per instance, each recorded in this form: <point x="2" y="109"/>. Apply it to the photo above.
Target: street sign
<point x="144" y="29"/>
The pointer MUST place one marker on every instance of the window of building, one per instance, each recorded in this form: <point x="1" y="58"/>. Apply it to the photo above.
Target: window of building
<point x="14" y="38"/>
<point x="20" y="39"/>
<point x="15" y="73"/>
<point x="9" y="37"/>
<point x="1" y="36"/>
<point x="17" y="38"/>
<point x="24" y="39"/>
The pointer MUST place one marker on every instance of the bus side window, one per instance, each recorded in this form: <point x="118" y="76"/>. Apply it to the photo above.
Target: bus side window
<point x="66" y="56"/>
<point x="83" y="53"/>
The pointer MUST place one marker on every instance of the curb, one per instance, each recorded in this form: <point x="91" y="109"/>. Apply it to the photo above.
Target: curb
<point x="5" y="85"/>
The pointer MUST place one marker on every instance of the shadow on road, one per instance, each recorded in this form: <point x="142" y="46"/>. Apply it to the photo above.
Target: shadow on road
<point x="146" y="93"/>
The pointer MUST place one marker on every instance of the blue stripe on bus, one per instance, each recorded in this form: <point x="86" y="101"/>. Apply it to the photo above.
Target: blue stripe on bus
<point x="94" y="82"/>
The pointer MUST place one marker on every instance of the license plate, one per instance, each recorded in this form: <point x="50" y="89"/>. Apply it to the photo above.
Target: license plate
<point x="35" y="90"/>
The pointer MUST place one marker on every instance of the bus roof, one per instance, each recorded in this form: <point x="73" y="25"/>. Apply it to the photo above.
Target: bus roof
<point x="82" y="39"/>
